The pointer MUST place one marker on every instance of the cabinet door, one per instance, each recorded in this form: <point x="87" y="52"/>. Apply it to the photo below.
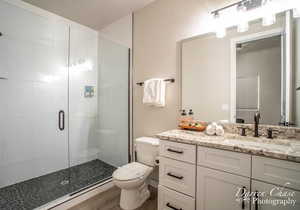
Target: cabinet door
<point x="218" y="190"/>
<point x="280" y="172"/>
<point x="272" y="197"/>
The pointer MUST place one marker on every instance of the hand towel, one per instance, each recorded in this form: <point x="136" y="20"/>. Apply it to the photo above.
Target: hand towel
<point x="155" y="92"/>
<point x="211" y="129"/>
<point x="219" y="130"/>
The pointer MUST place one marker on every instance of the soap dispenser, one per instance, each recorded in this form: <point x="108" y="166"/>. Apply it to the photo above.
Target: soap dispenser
<point x="183" y="121"/>
<point x="183" y="116"/>
<point x="191" y="115"/>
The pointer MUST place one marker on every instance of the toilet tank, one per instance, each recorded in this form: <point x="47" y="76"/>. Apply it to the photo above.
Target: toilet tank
<point x="147" y="150"/>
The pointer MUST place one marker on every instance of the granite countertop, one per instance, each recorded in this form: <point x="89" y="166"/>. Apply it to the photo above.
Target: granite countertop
<point x="283" y="149"/>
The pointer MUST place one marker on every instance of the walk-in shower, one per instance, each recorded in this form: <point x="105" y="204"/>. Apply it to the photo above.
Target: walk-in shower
<point x="64" y="107"/>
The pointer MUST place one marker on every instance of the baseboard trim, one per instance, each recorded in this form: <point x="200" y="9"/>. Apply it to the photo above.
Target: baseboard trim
<point x="68" y="202"/>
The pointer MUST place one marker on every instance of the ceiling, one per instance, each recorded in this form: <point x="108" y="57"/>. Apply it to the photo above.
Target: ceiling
<point x="93" y="13"/>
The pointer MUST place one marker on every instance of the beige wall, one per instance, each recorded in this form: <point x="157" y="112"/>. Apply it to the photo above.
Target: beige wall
<point x="205" y="77"/>
<point x="158" y="29"/>
<point x="297" y="57"/>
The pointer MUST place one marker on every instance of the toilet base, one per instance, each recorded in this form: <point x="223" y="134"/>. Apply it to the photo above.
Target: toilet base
<point x="134" y="198"/>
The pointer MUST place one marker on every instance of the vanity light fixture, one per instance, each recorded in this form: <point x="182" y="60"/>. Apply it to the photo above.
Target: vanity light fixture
<point x="219" y="26"/>
<point x="296" y="12"/>
<point x="221" y="32"/>
<point x="269" y="17"/>
<point x="248" y="10"/>
<point x="243" y="25"/>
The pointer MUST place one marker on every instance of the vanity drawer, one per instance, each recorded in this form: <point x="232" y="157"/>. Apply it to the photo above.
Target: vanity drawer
<point x="177" y="175"/>
<point x="279" y="172"/>
<point x="170" y="199"/>
<point x="232" y="162"/>
<point x="178" y="151"/>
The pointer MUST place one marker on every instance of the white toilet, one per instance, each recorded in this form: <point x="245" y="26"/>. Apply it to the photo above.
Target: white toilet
<point x="131" y="177"/>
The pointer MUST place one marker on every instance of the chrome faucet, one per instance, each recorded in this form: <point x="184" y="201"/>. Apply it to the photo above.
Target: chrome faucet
<point x="256" y="123"/>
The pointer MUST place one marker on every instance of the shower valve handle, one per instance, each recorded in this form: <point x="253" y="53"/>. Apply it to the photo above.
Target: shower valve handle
<point x="61" y="120"/>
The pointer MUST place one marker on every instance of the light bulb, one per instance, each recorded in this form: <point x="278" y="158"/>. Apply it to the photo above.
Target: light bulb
<point x="269" y="17"/>
<point x="296" y="13"/>
<point x="243" y="24"/>
<point x="220" y="30"/>
<point x="243" y="27"/>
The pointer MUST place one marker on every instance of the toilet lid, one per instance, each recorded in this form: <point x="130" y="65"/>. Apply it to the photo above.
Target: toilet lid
<point x="131" y="171"/>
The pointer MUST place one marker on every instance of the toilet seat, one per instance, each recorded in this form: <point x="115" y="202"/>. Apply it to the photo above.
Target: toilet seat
<point x="131" y="171"/>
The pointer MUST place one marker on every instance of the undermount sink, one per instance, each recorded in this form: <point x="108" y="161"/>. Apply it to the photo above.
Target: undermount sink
<point x="259" y="143"/>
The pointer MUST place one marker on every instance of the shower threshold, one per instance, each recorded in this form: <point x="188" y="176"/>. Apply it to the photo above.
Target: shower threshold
<point x="39" y="191"/>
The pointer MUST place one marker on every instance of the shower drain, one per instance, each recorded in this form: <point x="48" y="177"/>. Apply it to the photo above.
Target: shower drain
<point x="64" y="182"/>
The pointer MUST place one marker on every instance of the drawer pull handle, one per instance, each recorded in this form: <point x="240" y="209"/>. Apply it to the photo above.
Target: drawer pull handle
<point x="256" y="200"/>
<point x="174" y="176"/>
<point x="172" y="207"/>
<point x="243" y="197"/>
<point x="175" y="151"/>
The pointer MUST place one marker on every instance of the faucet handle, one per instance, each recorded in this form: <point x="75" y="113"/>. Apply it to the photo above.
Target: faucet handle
<point x="270" y="132"/>
<point x="243" y="131"/>
<point x="257" y="116"/>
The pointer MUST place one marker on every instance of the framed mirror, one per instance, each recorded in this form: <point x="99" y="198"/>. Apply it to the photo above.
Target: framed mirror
<point x="230" y="79"/>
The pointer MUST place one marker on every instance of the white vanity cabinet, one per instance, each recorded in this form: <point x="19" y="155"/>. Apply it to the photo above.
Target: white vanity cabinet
<point x="218" y="190"/>
<point x="220" y="175"/>
<point x="280" y="172"/>
<point x="172" y="200"/>
<point x="177" y="176"/>
<point x="274" y="193"/>
<point x="283" y="176"/>
<point x="231" y="162"/>
<point x="200" y="178"/>
<point x="178" y="151"/>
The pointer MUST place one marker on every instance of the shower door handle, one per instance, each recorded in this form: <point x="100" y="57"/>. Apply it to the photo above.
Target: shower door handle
<point x="61" y="120"/>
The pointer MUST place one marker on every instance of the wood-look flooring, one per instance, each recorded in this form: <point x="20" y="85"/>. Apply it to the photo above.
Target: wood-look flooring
<point x="110" y="200"/>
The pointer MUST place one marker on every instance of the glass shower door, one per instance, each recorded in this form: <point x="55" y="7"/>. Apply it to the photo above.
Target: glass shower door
<point x="64" y="117"/>
<point x="33" y="108"/>
<point x="98" y="108"/>
<point x="113" y="109"/>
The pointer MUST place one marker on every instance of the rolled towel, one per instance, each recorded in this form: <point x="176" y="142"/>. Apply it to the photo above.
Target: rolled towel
<point x="211" y="130"/>
<point x="214" y="124"/>
<point x="219" y="130"/>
